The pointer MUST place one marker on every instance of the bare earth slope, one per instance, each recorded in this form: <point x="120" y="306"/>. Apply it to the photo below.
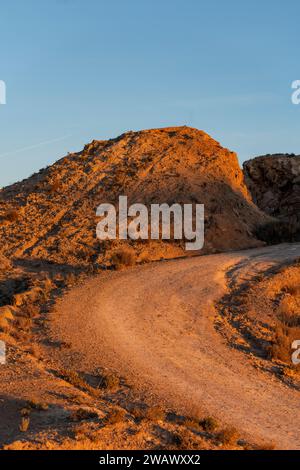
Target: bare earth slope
<point x="51" y="215"/>
<point x="156" y="326"/>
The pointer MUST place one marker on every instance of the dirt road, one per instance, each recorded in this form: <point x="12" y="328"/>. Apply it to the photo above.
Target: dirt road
<point x="154" y="325"/>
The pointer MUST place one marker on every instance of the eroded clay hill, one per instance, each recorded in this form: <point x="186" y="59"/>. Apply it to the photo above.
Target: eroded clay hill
<point x="51" y="215"/>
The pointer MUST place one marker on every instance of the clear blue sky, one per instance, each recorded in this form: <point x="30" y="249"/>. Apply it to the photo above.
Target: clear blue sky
<point x="78" y="70"/>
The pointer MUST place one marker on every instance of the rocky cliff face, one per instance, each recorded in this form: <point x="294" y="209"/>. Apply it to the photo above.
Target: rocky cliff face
<point x="51" y="216"/>
<point x="274" y="182"/>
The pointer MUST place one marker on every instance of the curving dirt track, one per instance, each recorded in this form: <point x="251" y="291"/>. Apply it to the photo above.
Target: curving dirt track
<point x="154" y="325"/>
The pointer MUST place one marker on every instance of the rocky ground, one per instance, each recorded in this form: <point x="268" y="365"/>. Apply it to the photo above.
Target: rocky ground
<point x="274" y="183"/>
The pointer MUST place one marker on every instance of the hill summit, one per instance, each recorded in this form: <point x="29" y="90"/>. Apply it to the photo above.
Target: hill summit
<point x="51" y="216"/>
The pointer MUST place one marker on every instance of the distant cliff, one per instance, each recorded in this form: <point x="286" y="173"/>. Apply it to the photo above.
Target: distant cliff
<point x="274" y="183"/>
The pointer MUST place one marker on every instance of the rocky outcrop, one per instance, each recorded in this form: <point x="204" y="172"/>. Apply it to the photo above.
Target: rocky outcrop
<point x="274" y="182"/>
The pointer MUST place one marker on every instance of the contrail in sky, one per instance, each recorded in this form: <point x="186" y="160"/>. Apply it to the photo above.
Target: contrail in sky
<point x="40" y="144"/>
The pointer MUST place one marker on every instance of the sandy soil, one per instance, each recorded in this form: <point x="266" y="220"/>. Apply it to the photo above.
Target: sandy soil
<point x="155" y="326"/>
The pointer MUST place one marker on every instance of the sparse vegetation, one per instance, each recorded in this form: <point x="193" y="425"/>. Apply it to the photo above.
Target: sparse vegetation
<point x="155" y="413"/>
<point x="10" y="217"/>
<point x="37" y="405"/>
<point x="289" y="310"/>
<point x="23" y="323"/>
<point x="287" y="328"/>
<point x="117" y="415"/>
<point x="25" y="421"/>
<point x="109" y="382"/>
<point x="54" y="187"/>
<point x="82" y="414"/>
<point x="75" y="379"/>
<point x="209" y="424"/>
<point x="151" y="413"/>
<point x="35" y="350"/>
<point x="280" y="346"/>
<point x="123" y="257"/>
<point x="6" y="318"/>
<point x="228" y="436"/>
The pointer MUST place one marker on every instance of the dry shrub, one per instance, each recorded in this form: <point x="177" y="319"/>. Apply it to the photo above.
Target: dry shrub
<point x="7" y="338"/>
<point x="35" y="350"/>
<point x="144" y="258"/>
<point x="155" y="413"/>
<point x="281" y="346"/>
<point x="25" y="411"/>
<point x="24" y="425"/>
<point x="4" y="325"/>
<point x="6" y="317"/>
<point x="81" y="431"/>
<point x="291" y="372"/>
<point x="70" y="279"/>
<point x="115" y="416"/>
<point x="289" y="311"/>
<point x="72" y="377"/>
<point x="48" y="284"/>
<point x="37" y="405"/>
<point x="7" y="311"/>
<point x="23" y="323"/>
<point x="5" y="263"/>
<point x="82" y="414"/>
<point x="109" y="382"/>
<point x="123" y="257"/>
<point x="191" y="422"/>
<point x="54" y="187"/>
<point x="294" y="288"/>
<point x="228" y="435"/>
<point x="175" y="439"/>
<point x="138" y="412"/>
<point x="31" y="311"/>
<point x="19" y="299"/>
<point x="209" y="424"/>
<point x="75" y="379"/>
<point x="20" y="335"/>
<point x="285" y="290"/>
<point x="11" y="216"/>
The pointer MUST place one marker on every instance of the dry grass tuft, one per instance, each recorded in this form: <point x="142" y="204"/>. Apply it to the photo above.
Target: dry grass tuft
<point x="24" y="425"/>
<point x="228" y="436"/>
<point x="109" y="382"/>
<point x="75" y="379"/>
<point x="37" y="405"/>
<point x="115" y="416"/>
<point x="82" y="414"/>
<point x="123" y="257"/>
<point x="10" y="217"/>
<point x="209" y="424"/>
<point x="155" y="413"/>
<point x="35" y="350"/>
